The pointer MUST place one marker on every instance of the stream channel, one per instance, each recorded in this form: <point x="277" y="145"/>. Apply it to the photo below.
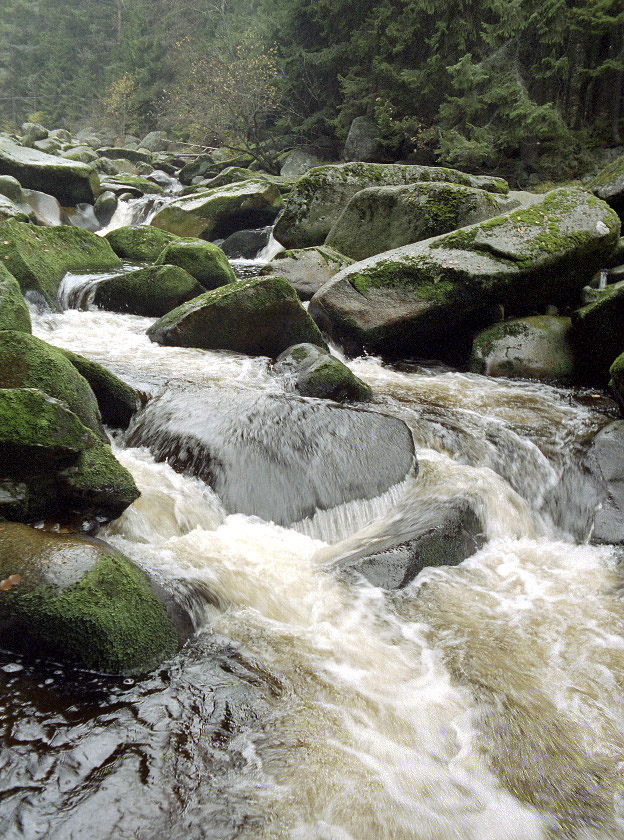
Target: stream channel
<point x="483" y="701"/>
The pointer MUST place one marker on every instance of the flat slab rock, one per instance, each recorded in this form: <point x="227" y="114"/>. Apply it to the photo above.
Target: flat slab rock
<point x="277" y="457"/>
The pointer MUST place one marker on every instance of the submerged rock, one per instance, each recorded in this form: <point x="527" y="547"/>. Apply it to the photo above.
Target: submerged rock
<point x="151" y="291"/>
<point x="221" y="211"/>
<point x="76" y="600"/>
<point x="538" y="347"/>
<point x="202" y="260"/>
<point x="320" y="196"/>
<point x="261" y="317"/>
<point x="440" y="533"/>
<point x="323" y="456"/>
<point x="313" y="372"/>
<point x="139" y="242"/>
<point x="14" y="314"/>
<point x="69" y="181"/>
<point x="426" y="299"/>
<point x="39" y="257"/>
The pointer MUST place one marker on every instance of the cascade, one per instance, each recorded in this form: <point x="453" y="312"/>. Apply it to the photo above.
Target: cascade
<point x="482" y="701"/>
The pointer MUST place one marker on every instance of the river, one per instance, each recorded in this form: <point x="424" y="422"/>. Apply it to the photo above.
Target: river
<point x="481" y="702"/>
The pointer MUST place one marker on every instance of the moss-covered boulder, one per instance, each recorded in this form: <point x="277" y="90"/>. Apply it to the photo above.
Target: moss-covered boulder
<point x="84" y="154"/>
<point x="616" y="382"/>
<point x="537" y="347"/>
<point x="313" y="372"/>
<point x="307" y="269"/>
<point x="426" y="299"/>
<point x="133" y="155"/>
<point x="609" y="185"/>
<point x="599" y="334"/>
<point x="70" y="181"/>
<point x="39" y="257"/>
<point x="261" y="317"/>
<point x="139" y="242"/>
<point x="318" y="199"/>
<point x="219" y="212"/>
<point x="130" y="183"/>
<point x="79" y="601"/>
<point x="8" y="210"/>
<point x="14" y="314"/>
<point x="116" y="400"/>
<point x="202" y="260"/>
<point x="53" y="467"/>
<point x="379" y="219"/>
<point x="150" y="291"/>
<point x="28" y="362"/>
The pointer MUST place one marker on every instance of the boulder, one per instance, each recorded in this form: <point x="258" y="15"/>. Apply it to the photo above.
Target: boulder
<point x="82" y="216"/>
<point x="261" y="317"/>
<point x="69" y="181"/>
<point x="617" y="255"/>
<point x="204" y="261"/>
<point x="12" y="189"/>
<point x="426" y="299"/>
<point x="616" y="383"/>
<point x="45" y="209"/>
<point x="246" y="244"/>
<point x="151" y="291"/>
<point x="379" y="219"/>
<point x="365" y="143"/>
<point x="116" y="400"/>
<point x="324" y="455"/>
<point x="49" y="146"/>
<point x="125" y="153"/>
<point x="298" y="162"/>
<point x="307" y="269"/>
<point x="155" y="141"/>
<point x="39" y="257"/>
<point x="31" y="132"/>
<point x="313" y="372"/>
<point x="14" y="314"/>
<point x="229" y="175"/>
<point x="320" y="196"/>
<point x="219" y="212"/>
<point x="598" y="334"/>
<point x="60" y="134"/>
<point x="53" y="467"/>
<point x="84" y="154"/>
<point x="438" y="533"/>
<point x="605" y="462"/>
<point x="8" y="210"/>
<point x="609" y="185"/>
<point x="200" y="167"/>
<point x="104" y="207"/>
<point x="28" y="362"/>
<point x="537" y="347"/>
<point x="130" y="183"/>
<point x="139" y="242"/>
<point x="71" y="599"/>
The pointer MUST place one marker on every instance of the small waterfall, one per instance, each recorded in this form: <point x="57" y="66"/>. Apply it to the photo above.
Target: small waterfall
<point x="604" y="275"/>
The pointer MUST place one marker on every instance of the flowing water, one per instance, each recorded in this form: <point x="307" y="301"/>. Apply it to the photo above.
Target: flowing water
<point x="481" y="702"/>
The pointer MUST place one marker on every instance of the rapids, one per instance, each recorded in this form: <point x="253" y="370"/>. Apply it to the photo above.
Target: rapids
<point x="482" y="702"/>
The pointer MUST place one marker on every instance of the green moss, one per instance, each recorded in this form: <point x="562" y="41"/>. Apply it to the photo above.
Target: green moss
<point x="202" y="260"/>
<point x="28" y="362"/>
<point x="32" y="422"/>
<point x="109" y="621"/>
<point x="610" y="173"/>
<point x="38" y="257"/>
<point x="139" y="242"/>
<point x="14" y="314"/>
<point x="151" y="291"/>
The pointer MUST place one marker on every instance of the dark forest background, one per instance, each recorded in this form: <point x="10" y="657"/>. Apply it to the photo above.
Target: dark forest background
<point x="482" y="85"/>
